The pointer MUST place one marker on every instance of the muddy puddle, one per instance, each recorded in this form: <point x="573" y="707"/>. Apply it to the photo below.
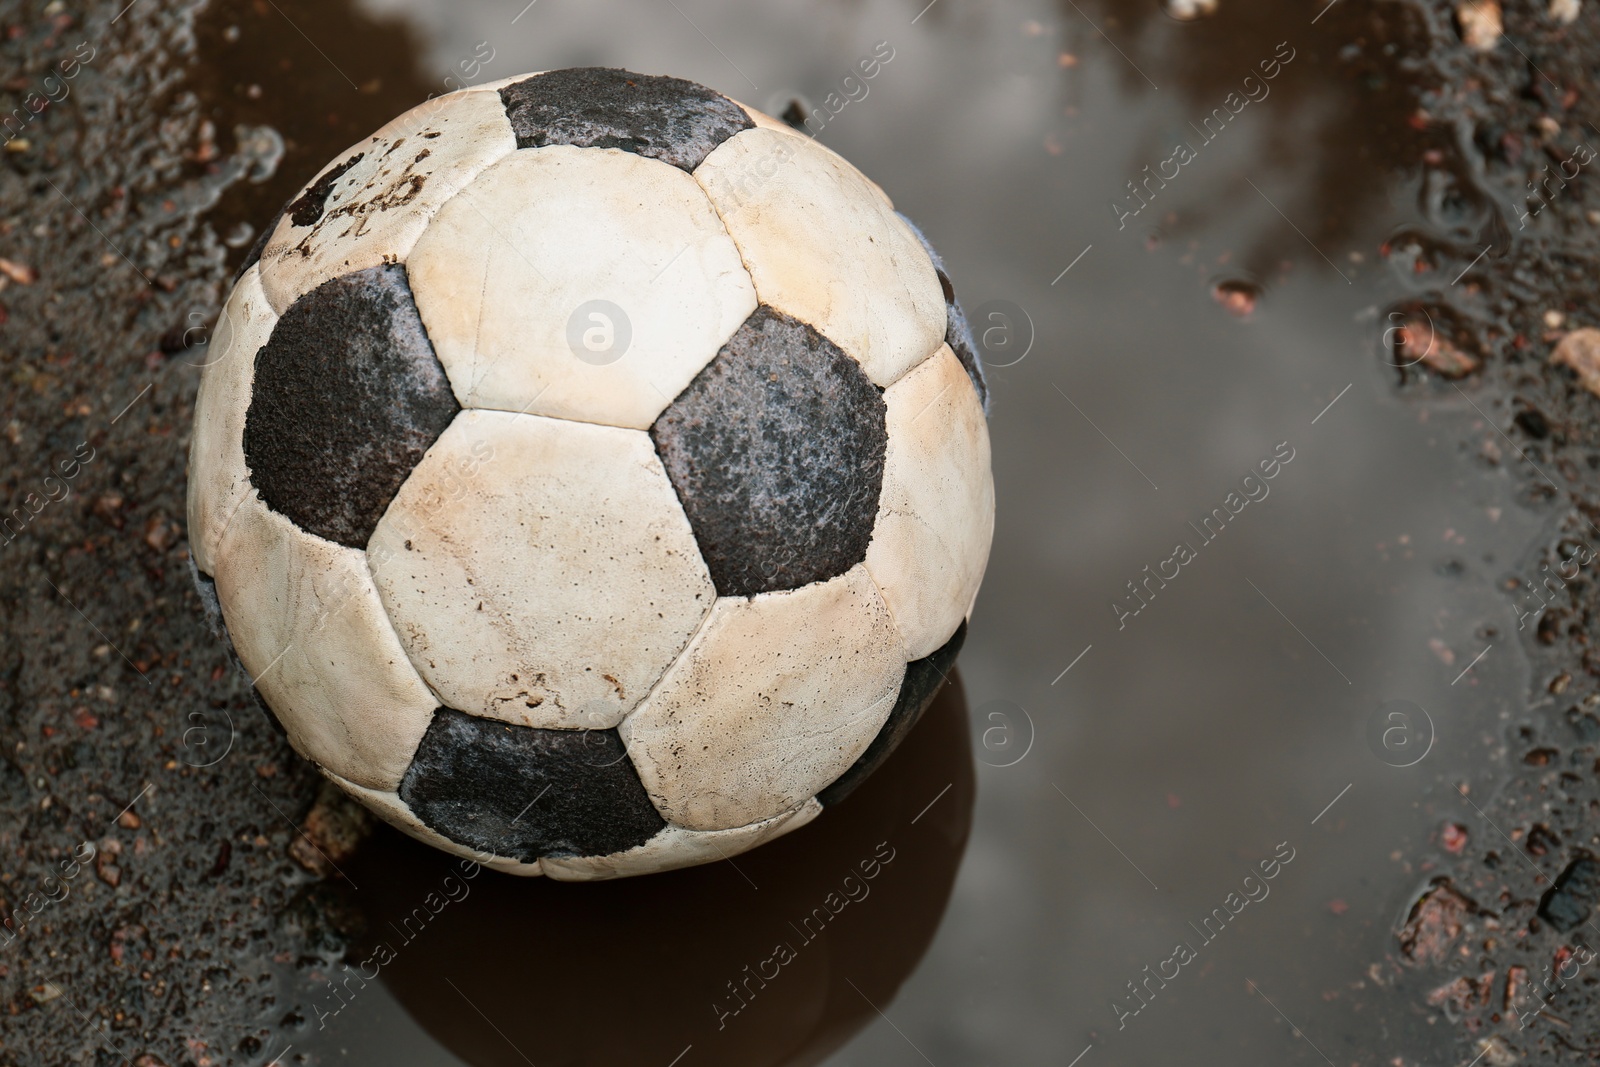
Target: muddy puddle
<point x="1254" y="662"/>
<point x="1235" y="531"/>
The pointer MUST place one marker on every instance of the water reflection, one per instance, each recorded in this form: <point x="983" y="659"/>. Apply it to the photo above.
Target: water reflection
<point x="776" y="957"/>
<point x="1190" y="344"/>
<point x="1335" y="129"/>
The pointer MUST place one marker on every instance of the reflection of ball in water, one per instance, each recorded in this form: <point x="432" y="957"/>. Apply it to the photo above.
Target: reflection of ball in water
<point x="593" y="473"/>
<point x="776" y="958"/>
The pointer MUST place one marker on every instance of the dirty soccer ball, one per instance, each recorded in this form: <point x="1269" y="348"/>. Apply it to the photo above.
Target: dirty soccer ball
<point x="592" y="474"/>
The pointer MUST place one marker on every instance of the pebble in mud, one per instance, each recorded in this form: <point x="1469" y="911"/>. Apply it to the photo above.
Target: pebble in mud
<point x="1572" y="898"/>
<point x="1422" y="336"/>
<point x="1480" y="23"/>
<point x="1579" y="350"/>
<point x="1236" y="296"/>
<point x="330" y="832"/>
<point x="1436" y="920"/>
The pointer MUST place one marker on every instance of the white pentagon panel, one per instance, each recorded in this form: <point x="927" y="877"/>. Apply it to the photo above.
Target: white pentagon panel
<point x="308" y="626"/>
<point x="581" y="283"/>
<point x="387" y="805"/>
<point x="776" y="696"/>
<point x="376" y="209"/>
<point x="936" y="512"/>
<point x="219" y="480"/>
<point x="540" y="571"/>
<point x="676" y="847"/>
<point x="767" y="122"/>
<point x="824" y="245"/>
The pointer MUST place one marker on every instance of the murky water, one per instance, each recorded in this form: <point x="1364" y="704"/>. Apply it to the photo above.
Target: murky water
<point x="1226" y="539"/>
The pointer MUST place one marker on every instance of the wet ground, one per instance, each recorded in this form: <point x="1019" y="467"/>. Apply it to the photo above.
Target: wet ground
<point x="1352" y="274"/>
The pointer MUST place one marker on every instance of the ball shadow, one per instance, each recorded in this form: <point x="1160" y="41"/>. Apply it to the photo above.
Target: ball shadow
<point x="777" y="956"/>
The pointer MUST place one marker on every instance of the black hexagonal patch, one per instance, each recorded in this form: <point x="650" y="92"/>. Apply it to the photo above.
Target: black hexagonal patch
<point x="776" y="451"/>
<point x="348" y="395"/>
<point x="922" y="681"/>
<point x="523" y="792"/>
<point x="669" y="119"/>
<point x="957" y="332"/>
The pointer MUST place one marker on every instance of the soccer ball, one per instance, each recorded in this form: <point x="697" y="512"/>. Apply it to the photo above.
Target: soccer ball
<point x="591" y="474"/>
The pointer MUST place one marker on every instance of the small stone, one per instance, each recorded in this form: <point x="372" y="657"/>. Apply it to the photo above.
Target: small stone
<point x="1580" y="350"/>
<point x="333" y="828"/>
<point x="160" y="534"/>
<point x="1516" y="979"/>
<point x="1565" y="11"/>
<point x="1434" y="923"/>
<point x="1448" y="361"/>
<point x="1236" y="297"/>
<point x="106" y="869"/>
<point x="1554" y="318"/>
<point x="108" y="506"/>
<point x="129" y="820"/>
<point x="1480" y="23"/>
<point x="1453" y="837"/>
<point x="1190" y="9"/>
<point x="20" y="273"/>
<point x="1418" y="342"/>
<point x="1570" y="900"/>
<point x="206" y="150"/>
<point x="1495" y="1052"/>
<point x="1464" y="994"/>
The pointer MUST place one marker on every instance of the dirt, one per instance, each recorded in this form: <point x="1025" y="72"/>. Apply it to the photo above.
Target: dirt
<point x="181" y="931"/>
<point x="1499" y="939"/>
